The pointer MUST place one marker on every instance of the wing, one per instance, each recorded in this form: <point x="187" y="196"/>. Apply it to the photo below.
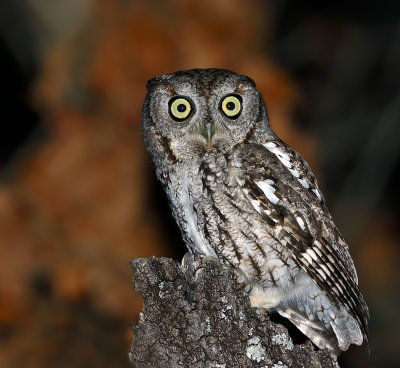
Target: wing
<point x="281" y="187"/>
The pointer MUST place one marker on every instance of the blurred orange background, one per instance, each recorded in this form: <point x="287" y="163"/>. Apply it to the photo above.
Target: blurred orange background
<point x="78" y="195"/>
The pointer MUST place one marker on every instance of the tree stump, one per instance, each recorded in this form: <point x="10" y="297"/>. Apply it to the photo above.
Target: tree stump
<point x="198" y="315"/>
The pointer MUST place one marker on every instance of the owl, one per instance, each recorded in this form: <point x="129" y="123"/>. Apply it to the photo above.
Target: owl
<point x="241" y="195"/>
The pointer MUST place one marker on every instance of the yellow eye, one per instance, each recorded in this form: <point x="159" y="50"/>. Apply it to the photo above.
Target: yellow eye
<point x="179" y="108"/>
<point x="231" y="106"/>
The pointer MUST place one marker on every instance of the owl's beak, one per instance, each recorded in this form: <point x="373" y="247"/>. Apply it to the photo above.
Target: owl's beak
<point x="207" y="133"/>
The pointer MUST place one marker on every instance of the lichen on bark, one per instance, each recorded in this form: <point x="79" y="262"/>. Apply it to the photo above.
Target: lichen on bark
<point x="198" y="315"/>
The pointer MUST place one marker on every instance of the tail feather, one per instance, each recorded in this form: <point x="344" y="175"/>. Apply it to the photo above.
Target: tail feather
<point x="316" y="332"/>
<point x="343" y="330"/>
<point x="347" y="330"/>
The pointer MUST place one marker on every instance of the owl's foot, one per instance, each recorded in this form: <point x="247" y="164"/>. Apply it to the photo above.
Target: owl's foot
<point x="195" y="263"/>
<point x="241" y="278"/>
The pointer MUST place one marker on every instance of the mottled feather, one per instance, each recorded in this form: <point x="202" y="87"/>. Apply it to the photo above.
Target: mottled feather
<point x="313" y="244"/>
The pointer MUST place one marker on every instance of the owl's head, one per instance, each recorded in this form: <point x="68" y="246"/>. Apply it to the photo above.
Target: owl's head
<point x="190" y="113"/>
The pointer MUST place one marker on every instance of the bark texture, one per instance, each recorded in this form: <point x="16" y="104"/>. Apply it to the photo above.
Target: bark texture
<point x="198" y="315"/>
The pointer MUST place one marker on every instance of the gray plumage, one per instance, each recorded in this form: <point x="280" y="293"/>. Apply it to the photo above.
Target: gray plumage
<point x="240" y="194"/>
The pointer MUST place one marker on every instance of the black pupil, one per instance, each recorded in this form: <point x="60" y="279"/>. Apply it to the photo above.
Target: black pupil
<point x="230" y="105"/>
<point x="181" y="108"/>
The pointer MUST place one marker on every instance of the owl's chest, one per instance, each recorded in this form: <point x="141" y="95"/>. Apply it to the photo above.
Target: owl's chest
<point x="212" y="211"/>
<point x="199" y="195"/>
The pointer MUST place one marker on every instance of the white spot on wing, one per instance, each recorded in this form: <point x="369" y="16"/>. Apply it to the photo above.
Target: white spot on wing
<point x="285" y="162"/>
<point x="311" y="252"/>
<point x="318" y="244"/>
<point x="256" y="205"/>
<point x="331" y="267"/>
<point x="267" y="187"/>
<point x="269" y="145"/>
<point x="303" y="183"/>
<point x="254" y="202"/>
<point x="325" y="269"/>
<point x="317" y="193"/>
<point x="295" y="173"/>
<point x="307" y="257"/>
<point x="269" y="214"/>
<point x="282" y="155"/>
<point x="322" y="273"/>
<point x="300" y="222"/>
<point x="317" y="251"/>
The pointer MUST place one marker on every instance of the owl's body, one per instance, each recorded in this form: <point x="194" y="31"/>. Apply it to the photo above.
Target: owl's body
<point x="239" y="194"/>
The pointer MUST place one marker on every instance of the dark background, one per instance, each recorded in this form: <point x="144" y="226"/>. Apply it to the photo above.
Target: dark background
<point x="78" y="197"/>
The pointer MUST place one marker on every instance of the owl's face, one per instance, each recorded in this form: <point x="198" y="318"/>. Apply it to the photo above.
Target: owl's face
<point x="194" y="112"/>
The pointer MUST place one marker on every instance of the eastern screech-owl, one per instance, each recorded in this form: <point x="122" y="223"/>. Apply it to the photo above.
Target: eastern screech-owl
<point x="241" y="195"/>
